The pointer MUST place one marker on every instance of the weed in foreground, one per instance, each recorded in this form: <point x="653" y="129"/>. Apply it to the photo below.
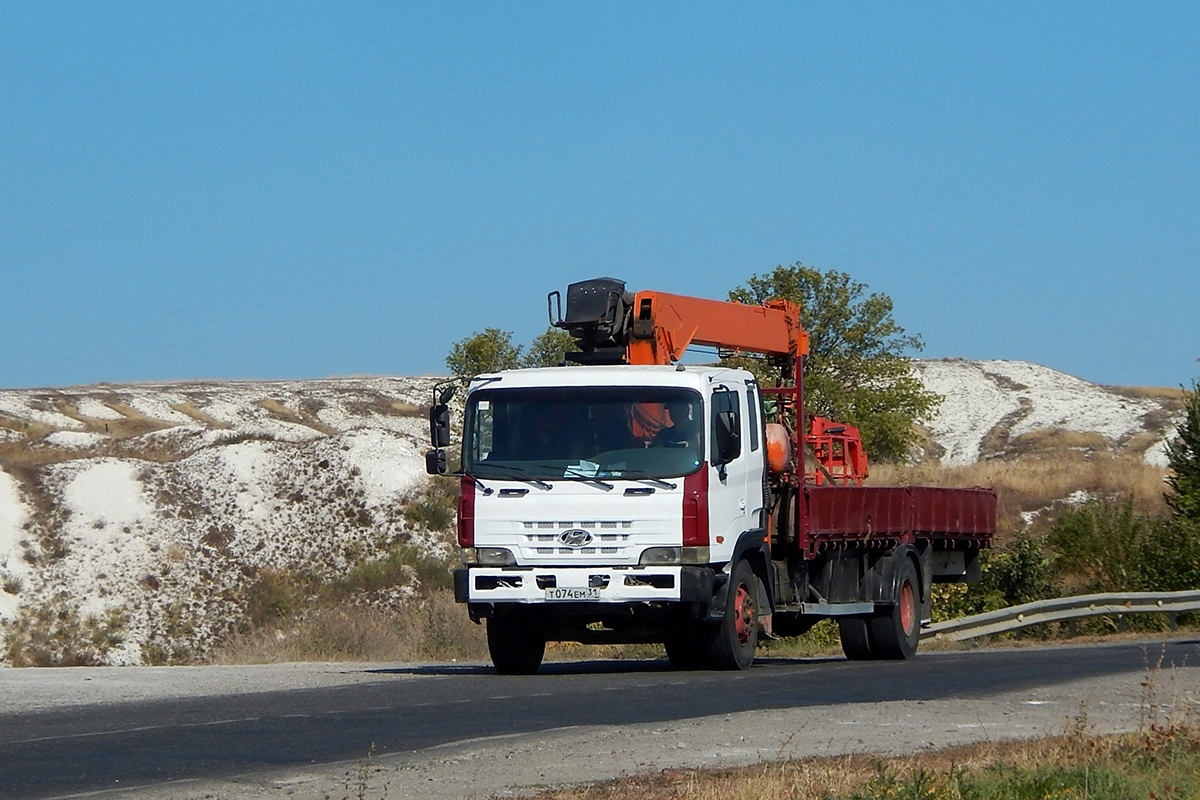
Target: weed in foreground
<point x="358" y="780"/>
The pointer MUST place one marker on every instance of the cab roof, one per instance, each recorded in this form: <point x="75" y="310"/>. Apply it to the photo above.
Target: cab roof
<point x="691" y="377"/>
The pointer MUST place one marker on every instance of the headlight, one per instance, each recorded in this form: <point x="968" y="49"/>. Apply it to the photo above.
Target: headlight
<point x="659" y="556"/>
<point x="494" y="557"/>
<point x="669" y="556"/>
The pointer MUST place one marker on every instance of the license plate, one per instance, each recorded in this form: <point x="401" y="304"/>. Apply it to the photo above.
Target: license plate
<point x="561" y="593"/>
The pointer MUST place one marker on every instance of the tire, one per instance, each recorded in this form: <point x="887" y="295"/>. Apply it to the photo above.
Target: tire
<point x="516" y="648"/>
<point x="855" y="635"/>
<point x="894" y="633"/>
<point x="688" y="650"/>
<point x="733" y="646"/>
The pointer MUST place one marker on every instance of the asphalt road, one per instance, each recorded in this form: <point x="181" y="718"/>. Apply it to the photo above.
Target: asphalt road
<point x="57" y="752"/>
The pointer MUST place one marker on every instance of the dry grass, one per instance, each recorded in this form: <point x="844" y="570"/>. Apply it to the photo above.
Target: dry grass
<point x="30" y="428"/>
<point x="135" y="423"/>
<point x="386" y="407"/>
<point x="282" y="412"/>
<point x="430" y="628"/>
<point x="208" y="421"/>
<point x="1053" y="441"/>
<point x="1173" y="397"/>
<point x="30" y="456"/>
<point x="1036" y="482"/>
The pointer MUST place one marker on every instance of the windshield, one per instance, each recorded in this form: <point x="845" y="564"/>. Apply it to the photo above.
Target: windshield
<point x="583" y="432"/>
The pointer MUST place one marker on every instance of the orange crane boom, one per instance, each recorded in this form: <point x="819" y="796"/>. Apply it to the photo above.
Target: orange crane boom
<point x="665" y="325"/>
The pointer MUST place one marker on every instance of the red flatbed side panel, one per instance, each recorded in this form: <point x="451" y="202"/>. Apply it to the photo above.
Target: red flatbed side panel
<point x="958" y="513"/>
<point x="849" y="513"/>
<point x="854" y="512"/>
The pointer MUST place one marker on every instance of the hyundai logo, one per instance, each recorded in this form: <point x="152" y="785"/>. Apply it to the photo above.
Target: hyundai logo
<point x="576" y="537"/>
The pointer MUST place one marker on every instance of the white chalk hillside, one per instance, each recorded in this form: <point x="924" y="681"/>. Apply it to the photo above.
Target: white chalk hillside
<point x="152" y="509"/>
<point x="994" y="408"/>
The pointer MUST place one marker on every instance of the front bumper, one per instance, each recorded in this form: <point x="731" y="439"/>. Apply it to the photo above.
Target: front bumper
<point x="593" y="584"/>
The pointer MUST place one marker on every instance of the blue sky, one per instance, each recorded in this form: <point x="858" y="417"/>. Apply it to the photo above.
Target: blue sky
<point x="296" y="190"/>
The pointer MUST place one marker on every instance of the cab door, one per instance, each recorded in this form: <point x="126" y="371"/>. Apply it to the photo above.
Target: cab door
<point x="729" y="506"/>
<point x="755" y="448"/>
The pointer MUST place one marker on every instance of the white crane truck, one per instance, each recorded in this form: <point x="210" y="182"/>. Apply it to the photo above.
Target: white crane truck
<point x="636" y="499"/>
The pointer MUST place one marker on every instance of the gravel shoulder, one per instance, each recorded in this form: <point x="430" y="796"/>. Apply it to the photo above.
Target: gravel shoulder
<point x="25" y="690"/>
<point x="518" y="765"/>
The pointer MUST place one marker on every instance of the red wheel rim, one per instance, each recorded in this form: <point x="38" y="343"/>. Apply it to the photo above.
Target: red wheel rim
<point x="743" y="614"/>
<point x="908" y="609"/>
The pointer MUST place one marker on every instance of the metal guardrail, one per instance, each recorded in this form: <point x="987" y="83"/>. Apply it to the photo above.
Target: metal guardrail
<point x="1062" y="608"/>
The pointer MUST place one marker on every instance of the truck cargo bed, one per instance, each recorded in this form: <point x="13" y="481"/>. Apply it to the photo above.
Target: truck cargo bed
<point x="899" y="513"/>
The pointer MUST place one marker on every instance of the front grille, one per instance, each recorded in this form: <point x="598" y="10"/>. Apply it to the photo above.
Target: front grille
<point x="612" y="542"/>
<point x="607" y="525"/>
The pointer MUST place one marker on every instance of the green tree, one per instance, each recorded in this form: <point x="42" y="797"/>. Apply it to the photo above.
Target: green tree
<point x="856" y="370"/>
<point x="489" y="351"/>
<point x="549" y="349"/>
<point x="1183" y="457"/>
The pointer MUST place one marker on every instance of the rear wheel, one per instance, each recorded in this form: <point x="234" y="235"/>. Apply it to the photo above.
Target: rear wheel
<point x="855" y="635"/>
<point x="733" y="646"/>
<point x="515" y="648"/>
<point x="894" y="633"/>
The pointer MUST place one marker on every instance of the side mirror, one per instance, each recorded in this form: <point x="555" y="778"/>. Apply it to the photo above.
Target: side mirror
<point x="728" y="442"/>
<point x="439" y="425"/>
<point x="435" y="462"/>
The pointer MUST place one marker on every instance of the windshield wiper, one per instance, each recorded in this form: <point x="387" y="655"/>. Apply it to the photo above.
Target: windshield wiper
<point x="521" y="474"/>
<point x="639" y="476"/>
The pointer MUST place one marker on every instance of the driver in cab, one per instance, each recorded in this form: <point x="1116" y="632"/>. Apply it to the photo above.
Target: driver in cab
<point x="684" y="430"/>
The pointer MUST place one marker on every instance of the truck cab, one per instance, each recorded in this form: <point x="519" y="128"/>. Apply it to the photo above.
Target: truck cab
<point x="604" y="504"/>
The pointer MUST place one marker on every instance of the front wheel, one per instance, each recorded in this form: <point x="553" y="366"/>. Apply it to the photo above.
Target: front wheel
<point x="688" y="650"/>
<point x="516" y="648"/>
<point x="737" y="636"/>
<point x="894" y="633"/>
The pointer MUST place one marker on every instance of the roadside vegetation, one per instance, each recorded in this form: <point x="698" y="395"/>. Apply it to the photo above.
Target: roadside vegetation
<point x="394" y="606"/>
<point x="1160" y="762"/>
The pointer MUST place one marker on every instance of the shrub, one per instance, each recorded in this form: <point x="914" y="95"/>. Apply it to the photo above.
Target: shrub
<point x="432" y="506"/>
<point x="1183" y="456"/>
<point x="277" y="595"/>
<point x="397" y="567"/>
<point x="1019" y="573"/>
<point x="53" y="635"/>
<point x="1096" y="545"/>
<point x="1109" y="547"/>
<point x="1169" y="556"/>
